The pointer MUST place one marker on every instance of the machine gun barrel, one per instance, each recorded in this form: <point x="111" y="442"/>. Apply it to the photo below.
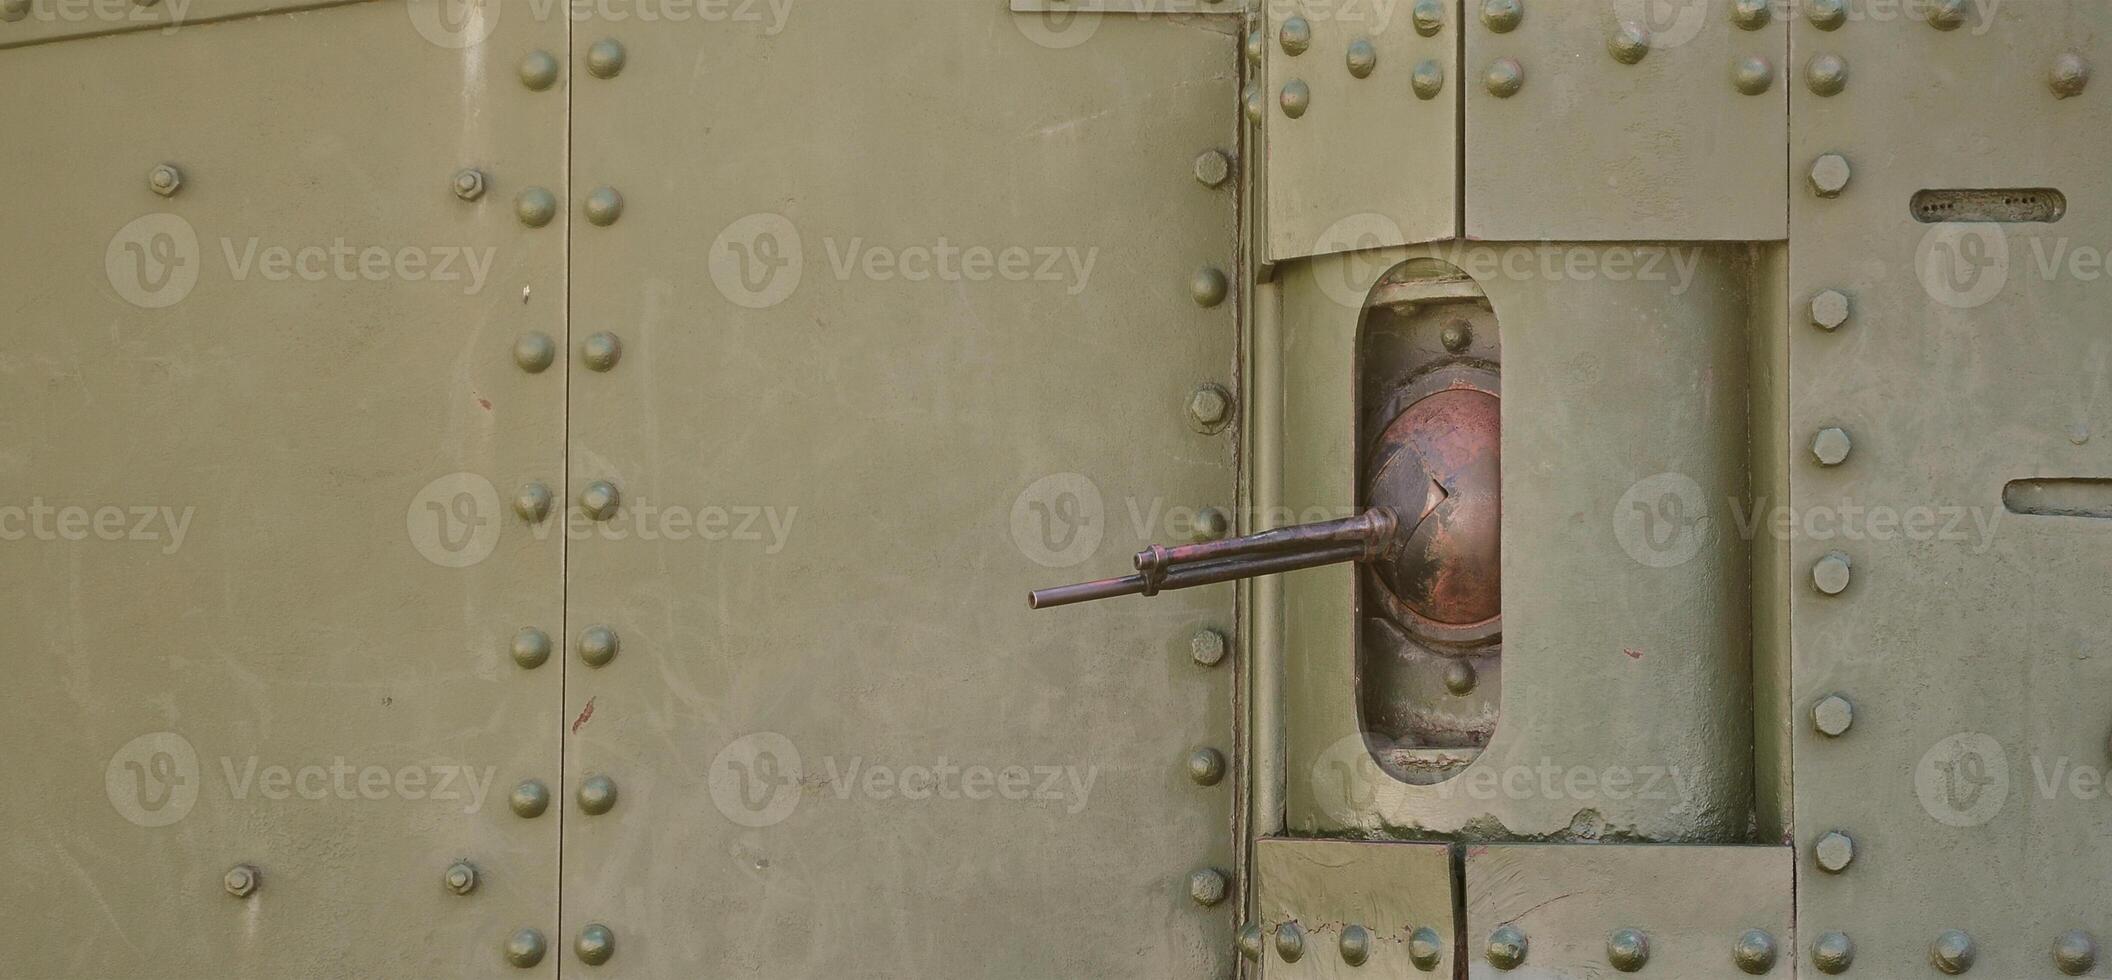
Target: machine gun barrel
<point x="1160" y="568"/>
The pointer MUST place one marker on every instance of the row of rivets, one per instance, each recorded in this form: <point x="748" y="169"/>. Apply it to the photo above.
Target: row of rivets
<point x="595" y="945"/>
<point x="534" y="352"/>
<point x="1627" y="950"/>
<point x="1954" y="952"/>
<point x="1425" y="947"/>
<point x="530" y="798"/>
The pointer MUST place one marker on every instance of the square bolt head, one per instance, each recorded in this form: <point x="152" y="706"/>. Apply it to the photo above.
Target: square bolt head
<point x="1832" y="716"/>
<point x="1829" y="309"/>
<point x="1830" y="446"/>
<point x="1834" y="852"/>
<point x="1829" y="175"/>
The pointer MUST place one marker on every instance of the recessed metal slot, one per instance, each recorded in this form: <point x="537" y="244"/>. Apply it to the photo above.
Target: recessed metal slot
<point x="2060" y="497"/>
<point x="2041" y="204"/>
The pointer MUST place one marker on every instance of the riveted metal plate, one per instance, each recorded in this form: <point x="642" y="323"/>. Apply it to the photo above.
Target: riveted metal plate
<point x="1391" y="889"/>
<point x="1591" y="149"/>
<point x="1691" y="902"/>
<point x="1974" y="356"/>
<point x="1369" y="163"/>
<point x="1574" y="646"/>
<point x="1129" y="6"/>
<point x="57" y="20"/>
<point x="292" y="385"/>
<point x="832" y="698"/>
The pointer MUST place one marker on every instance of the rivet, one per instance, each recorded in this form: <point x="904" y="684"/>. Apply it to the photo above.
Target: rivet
<point x="469" y="184"/>
<point x="1830" y="574"/>
<point x="1953" y="951"/>
<point x="529" y="799"/>
<point x="538" y="70"/>
<point x="1753" y="75"/>
<point x="1290" y="942"/>
<point x="535" y="352"/>
<point x="1355" y="944"/>
<point x="1296" y="35"/>
<point x="1946" y="15"/>
<point x="1257" y="45"/>
<point x="1460" y="678"/>
<point x="1827" y="74"/>
<point x="598" y="646"/>
<point x="1628" y="950"/>
<point x="1833" y="952"/>
<point x="2070" y="73"/>
<point x="1504" y="77"/>
<point x="1426" y="949"/>
<point x="1209" y="408"/>
<point x="532" y="502"/>
<point x="1207" y="647"/>
<point x="1829" y="309"/>
<point x="1834" y="852"/>
<point x="1254" y="102"/>
<point x="1829" y="175"/>
<point x="601" y="351"/>
<point x="535" y="207"/>
<point x="2075" y="952"/>
<point x="531" y="647"/>
<point x="1754" y="952"/>
<point x="1211" y="524"/>
<point x="1250" y="942"/>
<point x="1213" y="168"/>
<point x="1429" y="17"/>
<point x="1206" y="766"/>
<point x="1629" y="43"/>
<point x="165" y="179"/>
<point x="1833" y="716"/>
<point x="1428" y="79"/>
<point x="595" y="944"/>
<point x="1457" y="336"/>
<point x="605" y="59"/>
<point x="525" y="948"/>
<point x="604" y="206"/>
<point x="1507" y="948"/>
<point x="1209" y="286"/>
<point x="1296" y="98"/>
<point x="1750" y="15"/>
<point x="1502" y="16"/>
<point x="597" y="795"/>
<point x="461" y="878"/>
<point x="1826" y="15"/>
<point x="1362" y="57"/>
<point x="241" y="880"/>
<point x="600" y="500"/>
<point x="1207" y="887"/>
<point x="1830" y="447"/>
<point x="13" y="10"/>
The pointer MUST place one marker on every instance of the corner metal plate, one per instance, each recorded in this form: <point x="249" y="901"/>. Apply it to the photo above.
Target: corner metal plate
<point x="1590" y="149"/>
<point x="1970" y="638"/>
<point x="1693" y="902"/>
<point x="1325" y="886"/>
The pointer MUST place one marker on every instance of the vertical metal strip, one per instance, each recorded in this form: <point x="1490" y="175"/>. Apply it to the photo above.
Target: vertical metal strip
<point x="1265" y="416"/>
